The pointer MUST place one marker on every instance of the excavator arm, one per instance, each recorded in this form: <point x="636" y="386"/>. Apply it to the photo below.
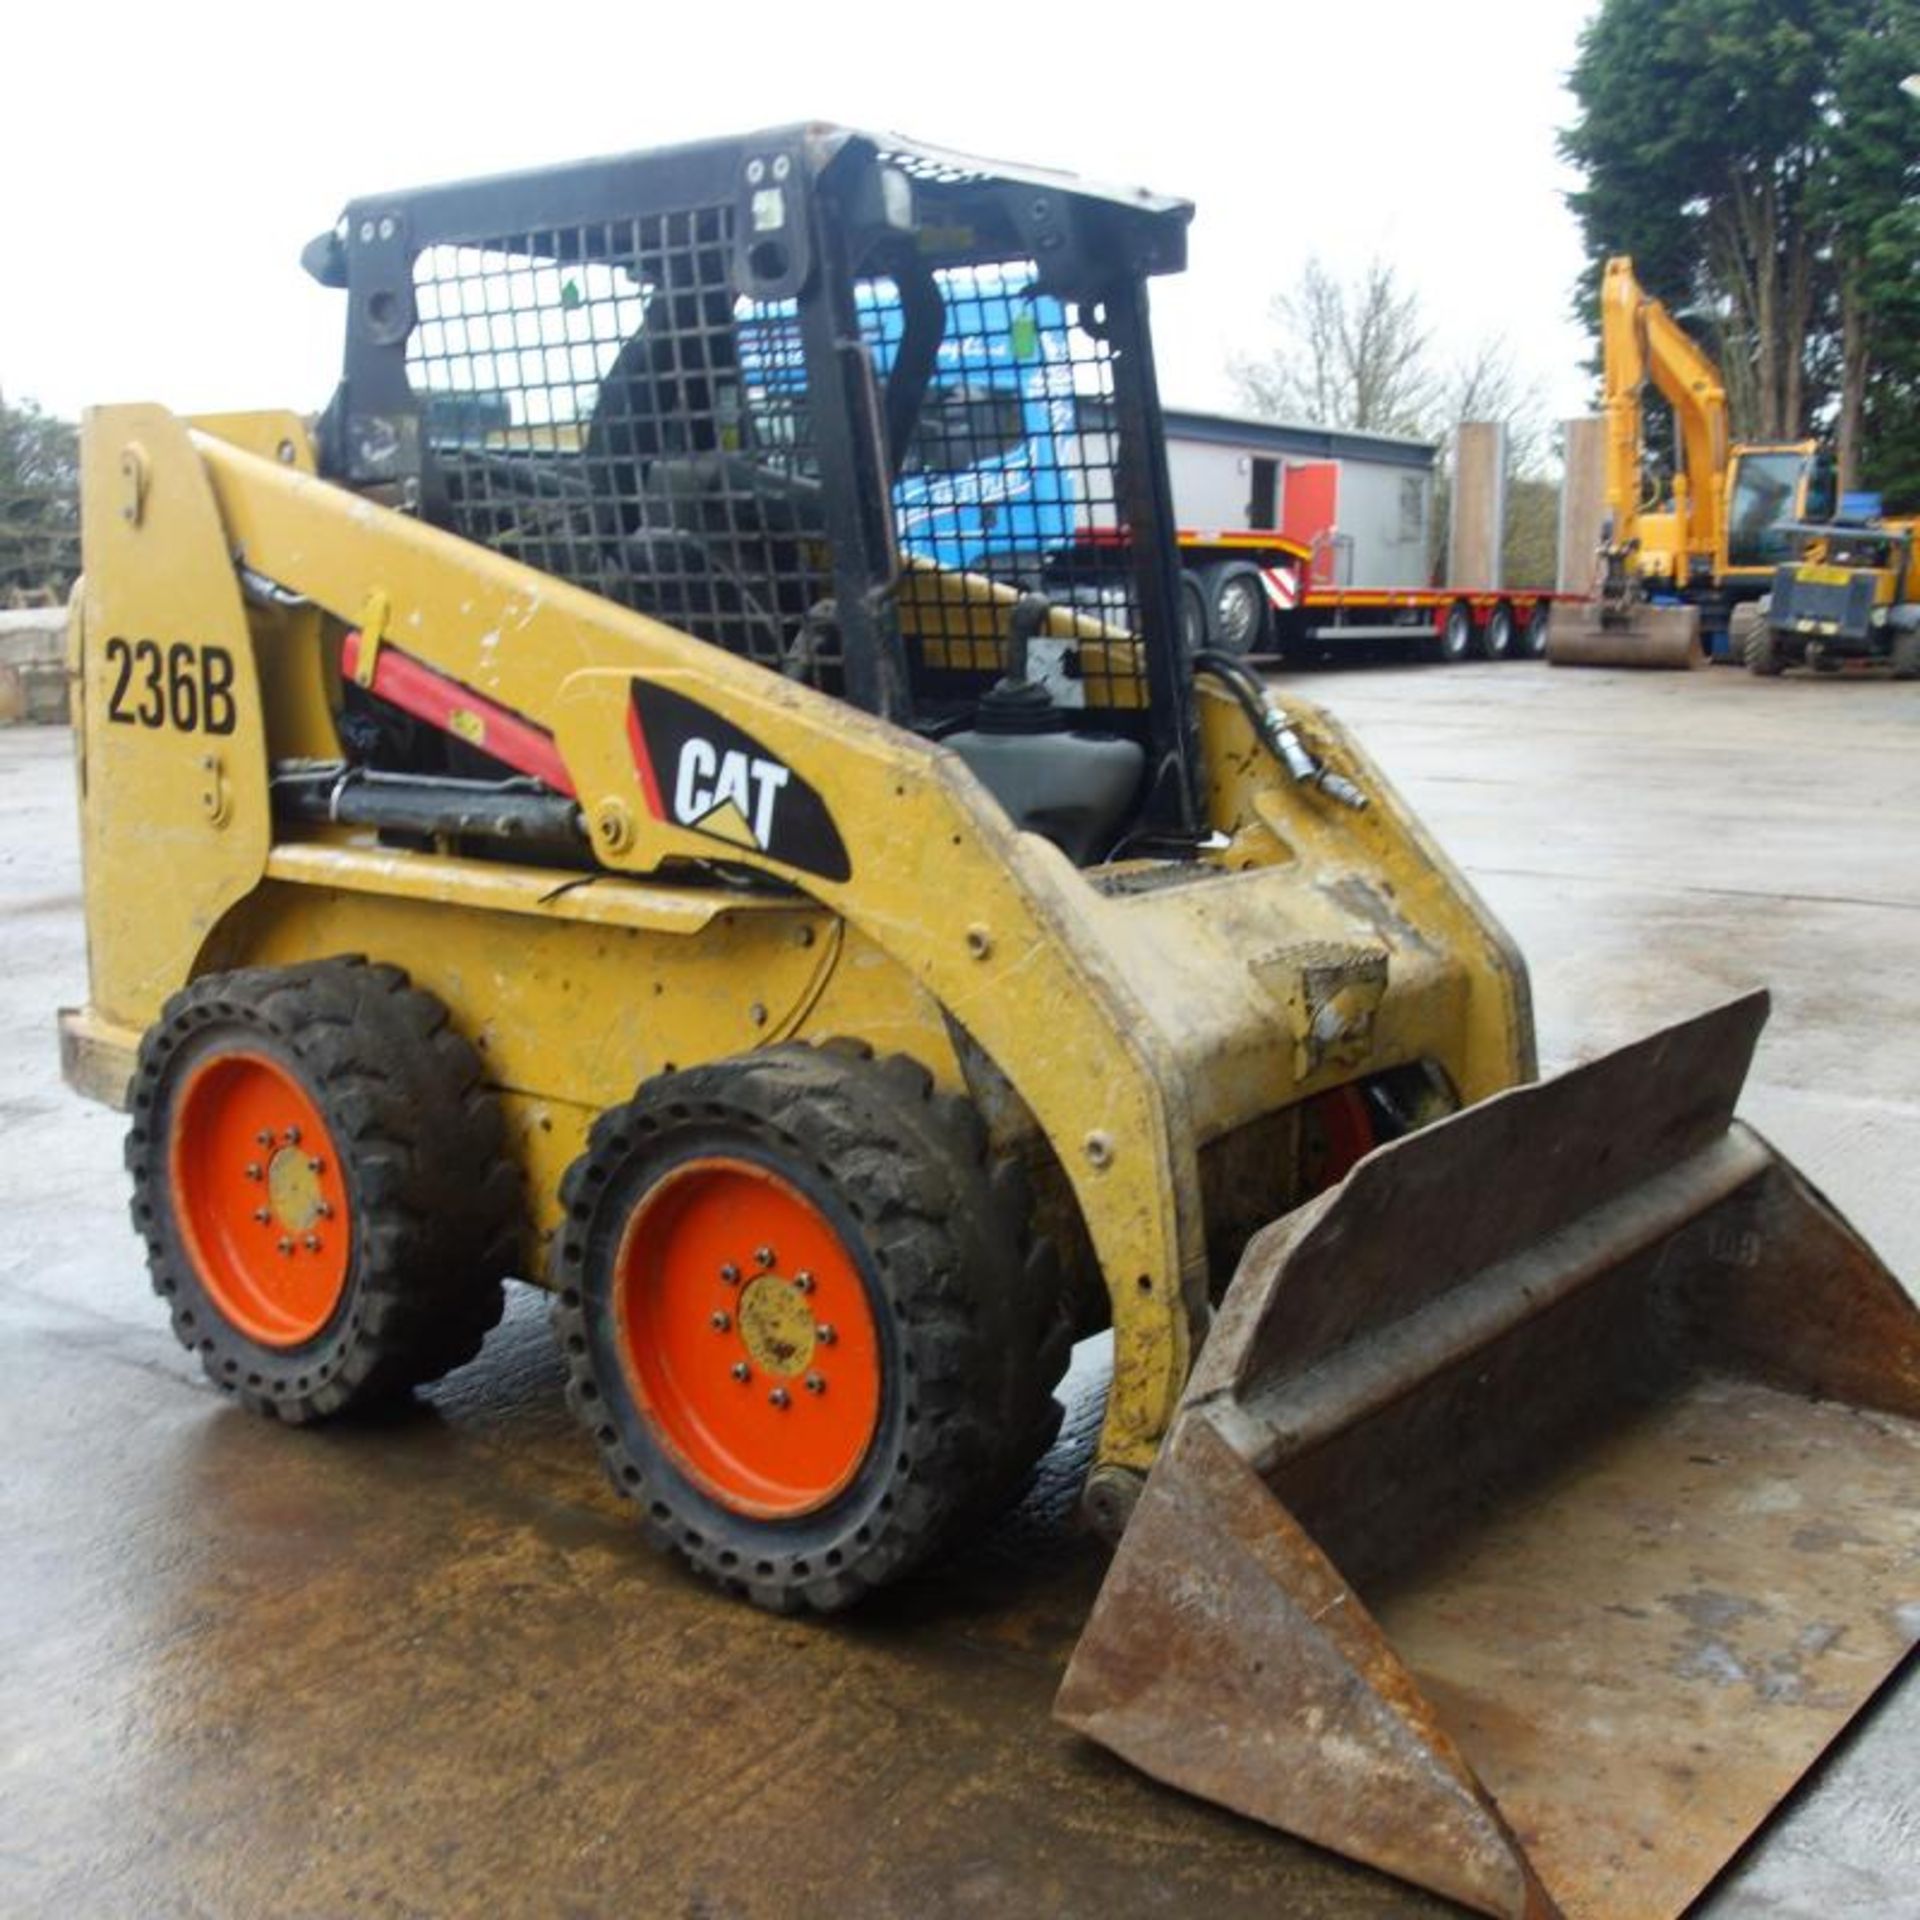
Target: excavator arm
<point x="1641" y="341"/>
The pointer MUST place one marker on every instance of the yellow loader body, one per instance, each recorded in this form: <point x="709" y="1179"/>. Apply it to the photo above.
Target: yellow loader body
<point x="1105" y="1008"/>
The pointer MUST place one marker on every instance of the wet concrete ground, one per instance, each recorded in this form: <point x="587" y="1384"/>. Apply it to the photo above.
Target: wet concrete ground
<point x="428" y="1670"/>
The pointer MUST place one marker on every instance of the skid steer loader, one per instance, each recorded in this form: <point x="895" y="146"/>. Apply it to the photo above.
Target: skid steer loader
<point x="541" y="819"/>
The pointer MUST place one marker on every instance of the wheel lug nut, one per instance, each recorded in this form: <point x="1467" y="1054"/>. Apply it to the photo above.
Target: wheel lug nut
<point x="324" y="1209"/>
<point x="825" y="1335"/>
<point x="815" y="1384"/>
<point x="292" y="1136"/>
<point x="286" y="1245"/>
<point x="255" y="1171"/>
<point x="311" y="1243"/>
<point x="780" y="1397"/>
<point x="720" y="1322"/>
<point x="316" y="1165"/>
<point x="764" y="1255"/>
<point x="263" y="1138"/>
<point x="730" y="1274"/>
<point x="803" y="1280"/>
<point x="741" y="1371"/>
<point x="262" y="1214"/>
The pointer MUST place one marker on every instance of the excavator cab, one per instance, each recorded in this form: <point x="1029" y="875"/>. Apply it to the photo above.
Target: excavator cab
<point x="1770" y="490"/>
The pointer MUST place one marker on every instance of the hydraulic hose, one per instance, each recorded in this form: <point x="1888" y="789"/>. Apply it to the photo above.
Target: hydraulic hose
<point x="1270" y="722"/>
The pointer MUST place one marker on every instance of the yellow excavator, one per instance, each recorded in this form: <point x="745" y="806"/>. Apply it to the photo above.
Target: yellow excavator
<point x="1670" y="570"/>
<point x="546" y="818"/>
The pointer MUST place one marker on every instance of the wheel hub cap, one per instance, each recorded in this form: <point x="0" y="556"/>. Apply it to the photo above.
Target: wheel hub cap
<point x="293" y="1189"/>
<point x="777" y="1326"/>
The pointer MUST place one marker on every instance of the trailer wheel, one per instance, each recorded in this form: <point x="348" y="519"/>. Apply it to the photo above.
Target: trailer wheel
<point x="1533" y="640"/>
<point x="802" y="1315"/>
<point x="1496" y="637"/>
<point x="1196" y="625"/>
<point x="1237" y="603"/>
<point x="1455" y="640"/>
<point x="319" y="1175"/>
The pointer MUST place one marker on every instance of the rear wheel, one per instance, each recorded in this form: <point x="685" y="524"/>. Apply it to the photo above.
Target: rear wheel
<point x="1496" y="637"/>
<point x="1237" y="598"/>
<point x="1905" y="656"/>
<point x="1533" y="639"/>
<point x="1455" y="640"/>
<point x="803" y="1317"/>
<point x="318" y="1173"/>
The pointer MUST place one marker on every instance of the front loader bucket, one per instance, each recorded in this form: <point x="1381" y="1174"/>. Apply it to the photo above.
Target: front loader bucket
<point x="1579" y="635"/>
<point x="1545" y="1500"/>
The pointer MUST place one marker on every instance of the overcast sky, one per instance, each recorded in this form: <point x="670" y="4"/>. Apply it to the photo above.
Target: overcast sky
<point x="165" y="163"/>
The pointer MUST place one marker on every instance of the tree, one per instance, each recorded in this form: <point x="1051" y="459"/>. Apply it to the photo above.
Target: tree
<point x="1869" y="198"/>
<point x="39" y="504"/>
<point x="1698" y="134"/>
<point x="1487" y="385"/>
<point x="1360" y="357"/>
<point x="1350" y="356"/>
<point x="1752" y="157"/>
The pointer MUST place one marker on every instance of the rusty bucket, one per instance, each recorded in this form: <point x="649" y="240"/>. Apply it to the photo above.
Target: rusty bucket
<point x="1581" y="634"/>
<point x="1545" y="1501"/>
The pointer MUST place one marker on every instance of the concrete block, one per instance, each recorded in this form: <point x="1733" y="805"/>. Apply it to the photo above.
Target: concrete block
<point x="1583" y="503"/>
<point x="1476" y="543"/>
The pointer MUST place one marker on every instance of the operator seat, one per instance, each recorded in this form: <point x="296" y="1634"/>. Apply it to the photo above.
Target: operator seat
<point x="703" y="535"/>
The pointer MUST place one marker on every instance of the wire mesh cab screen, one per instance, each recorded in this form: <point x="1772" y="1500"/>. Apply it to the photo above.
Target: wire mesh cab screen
<point x="597" y="402"/>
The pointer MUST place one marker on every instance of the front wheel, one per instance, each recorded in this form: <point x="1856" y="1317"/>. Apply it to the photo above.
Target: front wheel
<point x="1455" y="641"/>
<point x="1238" y="599"/>
<point x="803" y="1317"/>
<point x="1196" y="624"/>
<point x="1750" y="635"/>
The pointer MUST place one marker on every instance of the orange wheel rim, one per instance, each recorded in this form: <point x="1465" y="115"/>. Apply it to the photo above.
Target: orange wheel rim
<point x="259" y="1198"/>
<point x="747" y="1336"/>
<point x="1348" y="1129"/>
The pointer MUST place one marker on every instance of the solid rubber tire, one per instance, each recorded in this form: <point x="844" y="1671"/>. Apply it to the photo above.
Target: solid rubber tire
<point x="1749" y="629"/>
<point x="434" y="1203"/>
<point x="968" y="1302"/>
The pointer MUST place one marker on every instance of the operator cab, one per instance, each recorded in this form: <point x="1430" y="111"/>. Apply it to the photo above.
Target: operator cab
<point x="880" y="418"/>
<point x="1769" y="489"/>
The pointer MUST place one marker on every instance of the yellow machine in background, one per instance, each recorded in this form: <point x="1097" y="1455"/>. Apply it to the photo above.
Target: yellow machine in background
<point x="538" y="820"/>
<point x="1670" y="570"/>
<point x="1852" y="595"/>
